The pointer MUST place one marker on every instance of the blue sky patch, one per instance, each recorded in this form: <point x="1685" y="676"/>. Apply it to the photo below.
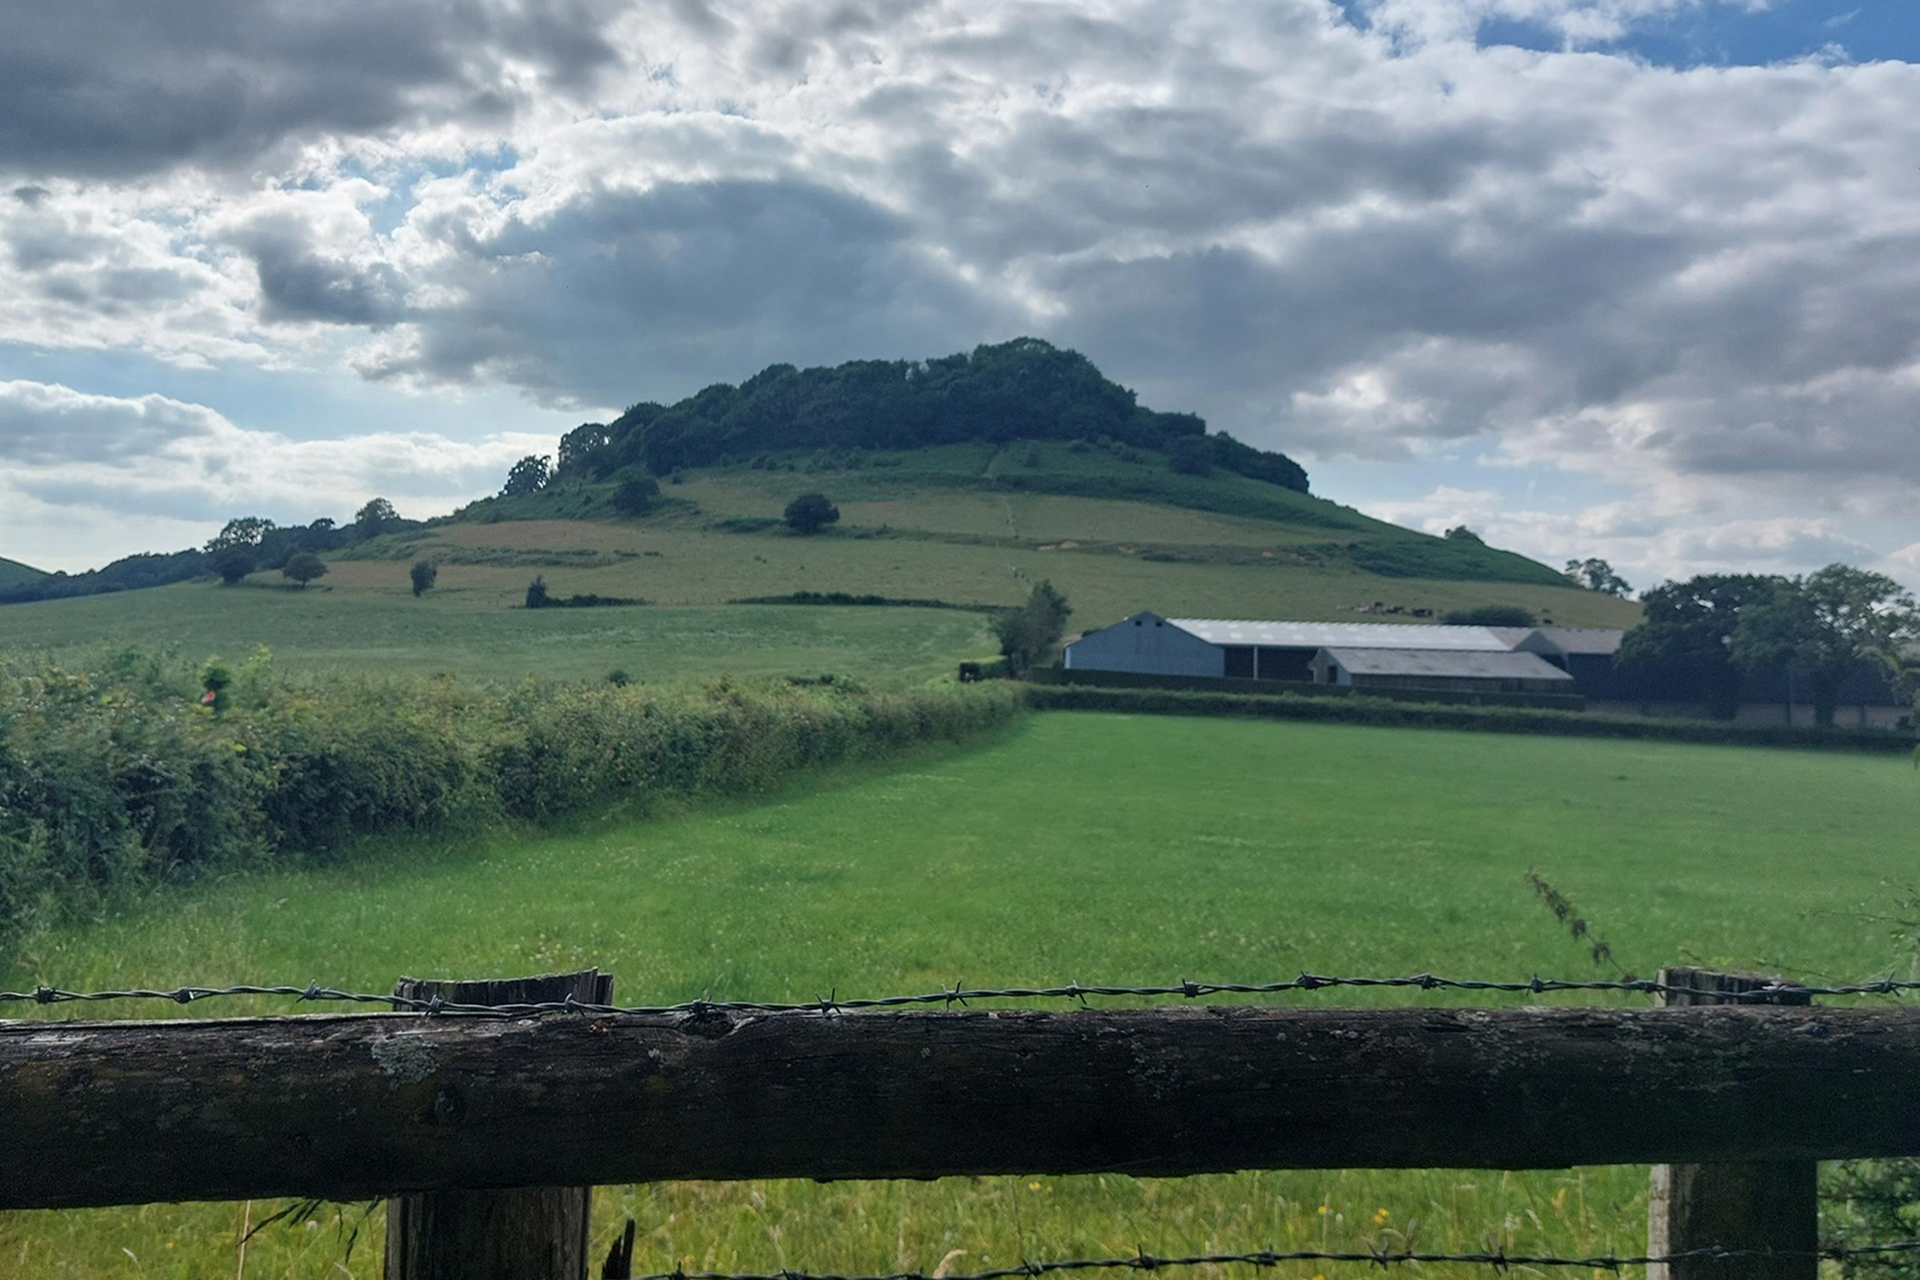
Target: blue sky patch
<point x="1727" y="34"/>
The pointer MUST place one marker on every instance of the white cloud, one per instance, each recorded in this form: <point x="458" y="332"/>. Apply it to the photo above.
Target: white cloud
<point x="1647" y="546"/>
<point x="74" y="460"/>
<point x="1698" y="287"/>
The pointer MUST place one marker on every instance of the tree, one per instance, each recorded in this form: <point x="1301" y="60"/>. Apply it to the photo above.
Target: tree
<point x="1028" y="633"/>
<point x="810" y="512"/>
<point x="537" y="593"/>
<point x="424" y="574"/>
<point x="636" y="495"/>
<point x="303" y="567"/>
<point x="233" y="564"/>
<point x="1460" y="533"/>
<point x="1822" y="628"/>
<point x="1191" y="455"/>
<point x="1681" y="645"/>
<point x="246" y="531"/>
<point x="584" y="449"/>
<point x="529" y="475"/>
<point x="374" y="518"/>
<point x="1596" y="574"/>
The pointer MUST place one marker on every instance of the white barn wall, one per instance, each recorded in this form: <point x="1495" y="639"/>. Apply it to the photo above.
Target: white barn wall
<point x="1146" y="644"/>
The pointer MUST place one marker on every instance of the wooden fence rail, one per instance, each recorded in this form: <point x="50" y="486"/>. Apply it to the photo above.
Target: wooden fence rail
<point x="354" y="1107"/>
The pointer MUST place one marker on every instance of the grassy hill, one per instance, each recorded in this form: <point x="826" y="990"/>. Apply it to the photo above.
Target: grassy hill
<point x="973" y="525"/>
<point x="15" y="574"/>
<point x="1116" y="529"/>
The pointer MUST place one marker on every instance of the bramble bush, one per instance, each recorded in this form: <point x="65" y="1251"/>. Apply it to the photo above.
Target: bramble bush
<point x="117" y="777"/>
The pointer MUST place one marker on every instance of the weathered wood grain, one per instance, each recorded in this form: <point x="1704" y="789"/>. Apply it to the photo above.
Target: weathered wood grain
<point x="1762" y="1205"/>
<point x="528" y="1233"/>
<point x="353" y="1107"/>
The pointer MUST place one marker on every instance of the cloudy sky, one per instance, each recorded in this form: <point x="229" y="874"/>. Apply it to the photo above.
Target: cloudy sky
<point x="1630" y="278"/>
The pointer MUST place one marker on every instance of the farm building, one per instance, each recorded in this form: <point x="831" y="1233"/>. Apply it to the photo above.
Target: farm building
<point x="1383" y="655"/>
<point x="1456" y="670"/>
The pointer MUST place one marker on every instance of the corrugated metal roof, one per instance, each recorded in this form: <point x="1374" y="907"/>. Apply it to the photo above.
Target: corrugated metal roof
<point x="1601" y="640"/>
<point x="1447" y="663"/>
<point x="1346" y="635"/>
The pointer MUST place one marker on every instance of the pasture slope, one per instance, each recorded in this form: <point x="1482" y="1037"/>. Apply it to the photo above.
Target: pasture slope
<point x="972" y="525"/>
<point x="1097" y="847"/>
<point x="15" y="574"/>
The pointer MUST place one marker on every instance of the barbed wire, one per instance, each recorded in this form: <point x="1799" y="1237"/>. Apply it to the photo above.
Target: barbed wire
<point x="957" y="994"/>
<point x="1498" y="1259"/>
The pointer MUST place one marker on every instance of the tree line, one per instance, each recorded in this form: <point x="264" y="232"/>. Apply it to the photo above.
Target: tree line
<point x="246" y="544"/>
<point x="1707" y="637"/>
<point x="1020" y="390"/>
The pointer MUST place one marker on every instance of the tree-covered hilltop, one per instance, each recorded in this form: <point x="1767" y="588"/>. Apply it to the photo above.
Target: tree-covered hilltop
<point x="1025" y="389"/>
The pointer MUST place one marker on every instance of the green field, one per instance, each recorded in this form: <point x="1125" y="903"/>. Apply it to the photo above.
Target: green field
<point x="941" y="525"/>
<point x="1103" y="848"/>
<point x="379" y="628"/>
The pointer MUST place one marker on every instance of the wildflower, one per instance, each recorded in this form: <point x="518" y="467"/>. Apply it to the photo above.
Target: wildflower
<point x="1323" y="1208"/>
<point x="1033" y="1186"/>
<point x="1380" y="1217"/>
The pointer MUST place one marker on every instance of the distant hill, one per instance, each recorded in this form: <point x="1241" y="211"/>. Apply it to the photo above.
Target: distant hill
<point x="15" y="574"/>
<point x="1025" y="389"/>
<point x="1022" y="416"/>
<point x="893" y="493"/>
<point x="960" y="481"/>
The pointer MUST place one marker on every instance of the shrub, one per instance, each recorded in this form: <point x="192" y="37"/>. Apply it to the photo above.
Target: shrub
<point x="424" y="573"/>
<point x="589" y="600"/>
<point x="1382" y="711"/>
<point x="114" y="780"/>
<point x="636" y="496"/>
<point x="810" y="512"/>
<point x="537" y="592"/>
<point x="1489" y="615"/>
<point x="1191" y="455"/>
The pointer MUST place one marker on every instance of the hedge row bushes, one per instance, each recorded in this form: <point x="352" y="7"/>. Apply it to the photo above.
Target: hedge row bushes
<point x="117" y="777"/>
<point x="1303" y="688"/>
<point x="1380" y="711"/>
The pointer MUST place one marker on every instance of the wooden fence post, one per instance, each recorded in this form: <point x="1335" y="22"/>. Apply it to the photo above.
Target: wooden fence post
<point x="1740" y="1206"/>
<point x="538" y="1233"/>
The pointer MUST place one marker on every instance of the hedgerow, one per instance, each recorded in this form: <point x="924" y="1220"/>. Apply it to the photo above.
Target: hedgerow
<point x="116" y="777"/>
<point x="1381" y="711"/>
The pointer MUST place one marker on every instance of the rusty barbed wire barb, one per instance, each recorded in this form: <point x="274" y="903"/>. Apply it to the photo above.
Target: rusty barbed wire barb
<point x="831" y="1003"/>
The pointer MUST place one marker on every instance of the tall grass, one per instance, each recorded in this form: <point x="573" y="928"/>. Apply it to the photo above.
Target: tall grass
<point x="119" y="775"/>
